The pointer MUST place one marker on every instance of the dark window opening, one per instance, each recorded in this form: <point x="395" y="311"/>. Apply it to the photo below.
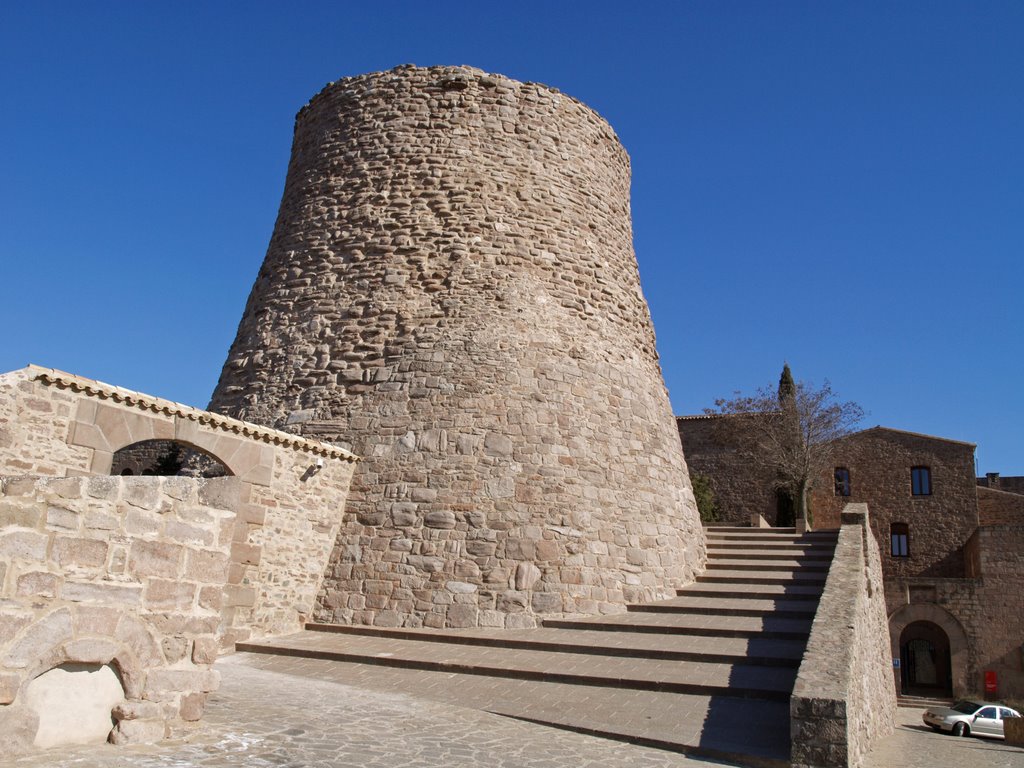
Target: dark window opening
<point x="921" y="481"/>
<point x="842" y="481"/>
<point x="899" y="538"/>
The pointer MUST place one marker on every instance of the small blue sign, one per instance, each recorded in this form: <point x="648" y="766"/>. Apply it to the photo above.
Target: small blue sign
<point x="896" y="663"/>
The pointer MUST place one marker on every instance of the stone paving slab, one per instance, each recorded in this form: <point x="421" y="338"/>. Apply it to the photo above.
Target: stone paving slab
<point x="264" y="717"/>
<point x="695" y="677"/>
<point x="709" y="723"/>
<point x="914" y="745"/>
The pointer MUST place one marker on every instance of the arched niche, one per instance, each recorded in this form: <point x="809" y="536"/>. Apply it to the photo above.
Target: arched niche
<point x="166" y="457"/>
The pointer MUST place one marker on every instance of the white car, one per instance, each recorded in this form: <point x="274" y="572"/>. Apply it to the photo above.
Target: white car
<point x="970" y="718"/>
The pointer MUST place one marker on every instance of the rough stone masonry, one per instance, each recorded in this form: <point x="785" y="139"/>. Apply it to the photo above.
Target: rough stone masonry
<point x="451" y="291"/>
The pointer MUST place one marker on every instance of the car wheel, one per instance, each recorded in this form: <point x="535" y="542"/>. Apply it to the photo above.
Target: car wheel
<point x="961" y="729"/>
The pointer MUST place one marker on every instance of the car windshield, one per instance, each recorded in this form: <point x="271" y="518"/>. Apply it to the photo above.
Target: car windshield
<point x="966" y="707"/>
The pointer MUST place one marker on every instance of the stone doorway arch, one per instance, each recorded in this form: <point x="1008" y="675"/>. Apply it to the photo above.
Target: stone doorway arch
<point x="932" y="649"/>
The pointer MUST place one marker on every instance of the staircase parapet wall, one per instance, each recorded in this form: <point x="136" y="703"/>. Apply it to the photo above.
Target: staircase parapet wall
<point x="844" y="700"/>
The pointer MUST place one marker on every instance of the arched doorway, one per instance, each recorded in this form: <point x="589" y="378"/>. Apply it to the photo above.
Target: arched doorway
<point x="925" y="660"/>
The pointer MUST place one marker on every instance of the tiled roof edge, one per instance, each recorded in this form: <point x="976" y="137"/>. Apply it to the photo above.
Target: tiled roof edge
<point x="102" y="390"/>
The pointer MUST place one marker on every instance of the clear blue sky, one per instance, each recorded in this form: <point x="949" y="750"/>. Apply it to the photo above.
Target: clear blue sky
<point x="836" y="184"/>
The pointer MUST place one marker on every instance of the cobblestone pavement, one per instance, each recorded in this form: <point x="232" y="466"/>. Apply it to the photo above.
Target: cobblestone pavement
<point x="265" y="718"/>
<point x="914" y="745"/>
<point x="262" y="718"/>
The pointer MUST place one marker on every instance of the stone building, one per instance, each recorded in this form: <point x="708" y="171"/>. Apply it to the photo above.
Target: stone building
<point x="951" y="551"/>
<point x="742" y="489"/>
<point x="451" y="291"/>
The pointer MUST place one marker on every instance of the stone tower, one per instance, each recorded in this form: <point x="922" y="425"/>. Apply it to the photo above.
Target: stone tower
<point x="451" y="292"/>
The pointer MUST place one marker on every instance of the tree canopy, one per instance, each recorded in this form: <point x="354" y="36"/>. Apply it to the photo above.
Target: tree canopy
<point x="791" y="430"/>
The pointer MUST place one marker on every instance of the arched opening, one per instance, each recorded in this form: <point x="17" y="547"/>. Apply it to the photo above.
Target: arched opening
<point x="925" y="660"/>
<point x="166" y="458"/>
<point x="785" y="509"/>
<point x="73" y="703"/>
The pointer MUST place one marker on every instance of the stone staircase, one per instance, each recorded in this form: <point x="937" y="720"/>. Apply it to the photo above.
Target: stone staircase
<point x="708" y="672"/>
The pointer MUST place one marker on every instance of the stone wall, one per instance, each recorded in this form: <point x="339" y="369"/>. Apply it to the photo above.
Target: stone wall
<point x="741" y="488"/>
<point x="92" y="565"/>
<point x="880" y="462"/>
<point x="843" y="700"/>
<point x="451" y="290"/>
<point x="120" y="571"/>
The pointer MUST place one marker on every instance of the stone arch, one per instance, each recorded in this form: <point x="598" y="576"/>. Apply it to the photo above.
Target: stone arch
<point x="108" y="427"/>
<point x="940" y="618"/>
<point x="71" y="636"/>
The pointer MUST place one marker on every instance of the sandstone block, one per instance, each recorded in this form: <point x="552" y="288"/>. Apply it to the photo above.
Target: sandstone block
<point x="460" y="616"/>
<point x="101" y="592"/>
<point x="192" y="707"/>
<point x="139" y="731"/>
<point x="207" y="566"/>
<point x="439" y="519"/>
<point x="205" y="650"/>
<point x="527" y="574"/>
<point x="142" y="493"/>
<point x="69" y="551"/>
<point x="23" y="545"/>
<point x="164" y="683"/>
<point x="9" y="685"/>
<point x="102" y="487"/>
<point x="38" y="584"/>
<point x="40" y="638"/>
<point x="546" y="602"/>
<point x="90" y="650"/>
<point x="136" y="710"/>
<point x="20" y="515"/>
<point x="154" y="558"/>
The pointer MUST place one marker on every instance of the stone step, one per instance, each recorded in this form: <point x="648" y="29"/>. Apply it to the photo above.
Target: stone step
<point x="693" y="678"/>
<point x="780" y="653"/>
<point x="812" y="550"/>
<point x="711" y="606"/>
<point x="696" y="625"/>
<point x="761" y="577"/>
<point x="767" y="533"/>
<point x="740" y="731"/>
<point x="814" y="558"/>
<point x="731" y="591"/>
<point x="782" y="566"/>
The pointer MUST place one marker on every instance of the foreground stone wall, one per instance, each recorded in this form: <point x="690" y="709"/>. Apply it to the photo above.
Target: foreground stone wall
<point x="121" y="571"/>
<point x="451" y="290"/>
<point x="844" y="700"/>
<point x="148" y="575"/>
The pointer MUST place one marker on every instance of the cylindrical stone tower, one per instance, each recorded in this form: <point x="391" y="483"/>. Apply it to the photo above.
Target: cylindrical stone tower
<point x="451" y="291"/>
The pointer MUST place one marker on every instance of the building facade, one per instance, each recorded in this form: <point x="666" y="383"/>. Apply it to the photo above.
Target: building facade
<point x="952" y="546"/>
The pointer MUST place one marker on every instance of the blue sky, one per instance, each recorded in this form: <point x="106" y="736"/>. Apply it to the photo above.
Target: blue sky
<point x="839" y="185"/>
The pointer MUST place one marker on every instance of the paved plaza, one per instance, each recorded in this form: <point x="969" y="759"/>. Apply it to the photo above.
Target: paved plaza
<point x="273" y="712"/>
